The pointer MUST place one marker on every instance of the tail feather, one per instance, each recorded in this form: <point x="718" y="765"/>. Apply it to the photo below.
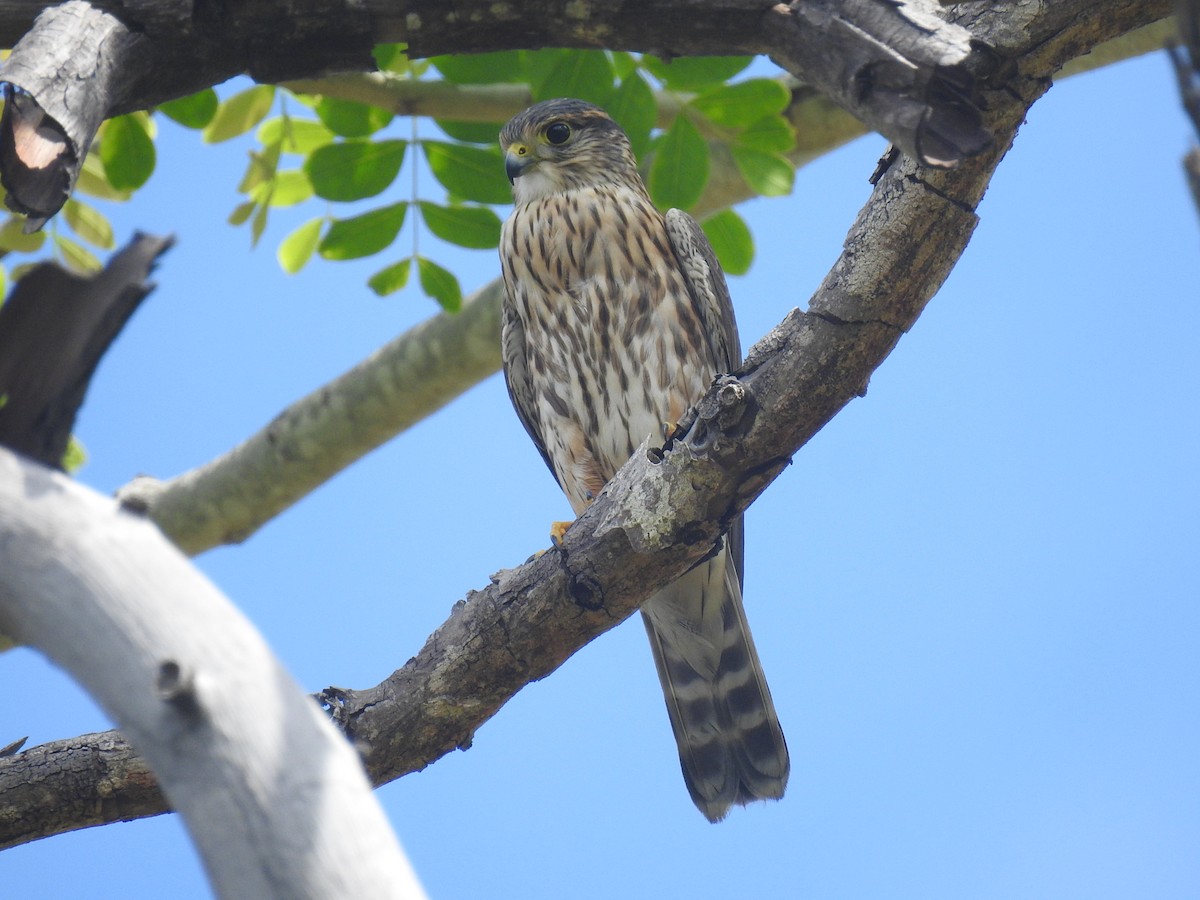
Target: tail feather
<point x="731" y="747"/>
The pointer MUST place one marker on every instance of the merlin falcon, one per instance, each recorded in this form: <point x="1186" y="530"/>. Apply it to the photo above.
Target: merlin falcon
<point x="615" y="322"/>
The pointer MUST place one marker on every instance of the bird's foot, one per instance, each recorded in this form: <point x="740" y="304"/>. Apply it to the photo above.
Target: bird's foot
<point x="557" y="530"/>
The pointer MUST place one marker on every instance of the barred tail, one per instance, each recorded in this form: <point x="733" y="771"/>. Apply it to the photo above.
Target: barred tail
<point x="731" y="746"/>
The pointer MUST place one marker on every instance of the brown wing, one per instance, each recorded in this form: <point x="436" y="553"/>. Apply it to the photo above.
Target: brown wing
<point x="706" y="283"/>
<point x="516" y="375"/>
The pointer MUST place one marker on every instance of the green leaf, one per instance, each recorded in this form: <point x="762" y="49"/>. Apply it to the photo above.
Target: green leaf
<point x="771" y="134"/>
<point x="194" y="111"/>
<point x="240" y="113"/>
<point x="294" y="135"/>
<point x="350" y="119"/>
<point x="389" y="280"/>
<point x="439" y="284"/>
<point x="363" y="235"/>
<point x="261" y="168"/>
<point x="634" y="108"/>
<point x="692" y="73"/>
<point x="731" y="241"/>
<point x="94" y="182"/>
<point x="353" y="170"/>
<point x="738" y="105"/>
<point x="537" y="64"/>
<point x="14" y="239"/>
<point x="75" y="256"/>
<point x="768" y="174"/>
<point x="472" y="173"/>
<point x="89" y="223"/>
<point x="127" y="153"/>
<point x="287" y="188"/>
<point x="468" y="226"/>
<point x="74" y="457"/>
<point x="680" y="167"/>
<point x="258" y="224"/>
<point x="480" y="68"/>
<point x="585" y="74"/>
<point x="297" y="248"/>
<point x="624" y="64"/>
<point x="471" y="132"/>
<point x="241" y="212"/>
<point x="391" y="58"/>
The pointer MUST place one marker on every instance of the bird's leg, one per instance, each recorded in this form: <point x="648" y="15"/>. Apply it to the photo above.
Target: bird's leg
<point x="558" y="529"/>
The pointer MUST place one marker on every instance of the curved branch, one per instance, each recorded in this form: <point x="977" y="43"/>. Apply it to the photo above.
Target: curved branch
<point x="274" y="798"/>
<point x="231" y="497"/>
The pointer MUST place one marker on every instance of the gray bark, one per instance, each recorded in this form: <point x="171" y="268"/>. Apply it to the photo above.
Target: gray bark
<point x="899" y="67"/>
<point x="54" y="328"/>
<point x="68" y="69"/>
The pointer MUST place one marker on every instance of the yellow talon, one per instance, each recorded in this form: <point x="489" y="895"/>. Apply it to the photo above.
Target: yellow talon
<point x="557" y="530"/>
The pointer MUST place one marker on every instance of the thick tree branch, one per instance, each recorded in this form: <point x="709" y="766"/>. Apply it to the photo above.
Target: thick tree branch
<point x="274" y="798"/>
<point x="897" y="66"/>
<point x="663" y="511"/>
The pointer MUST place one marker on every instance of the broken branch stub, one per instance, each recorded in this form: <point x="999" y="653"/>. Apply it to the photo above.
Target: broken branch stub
<point x="60" y="83"/>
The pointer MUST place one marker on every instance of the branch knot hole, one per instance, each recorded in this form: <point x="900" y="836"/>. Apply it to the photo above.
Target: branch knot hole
<point x="586" y="592"/>
<point x="175" y="684"/>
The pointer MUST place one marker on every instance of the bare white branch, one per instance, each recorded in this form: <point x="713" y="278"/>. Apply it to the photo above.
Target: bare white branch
<point x="275" y="799"/>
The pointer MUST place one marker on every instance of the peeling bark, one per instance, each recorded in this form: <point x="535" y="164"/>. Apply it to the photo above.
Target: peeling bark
<point x="69" y="68"/>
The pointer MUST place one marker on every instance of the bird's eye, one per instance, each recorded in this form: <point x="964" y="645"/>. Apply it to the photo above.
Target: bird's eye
<point x="558" y="133"/>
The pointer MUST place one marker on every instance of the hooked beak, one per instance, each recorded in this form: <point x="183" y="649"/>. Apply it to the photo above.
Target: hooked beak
<point x="517" y="159"/>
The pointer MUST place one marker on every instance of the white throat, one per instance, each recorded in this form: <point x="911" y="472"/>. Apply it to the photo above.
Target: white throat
<point x="535" y="184"/>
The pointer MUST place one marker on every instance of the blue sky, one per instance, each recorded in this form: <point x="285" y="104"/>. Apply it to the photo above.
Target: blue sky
<point x="975" y="592"/>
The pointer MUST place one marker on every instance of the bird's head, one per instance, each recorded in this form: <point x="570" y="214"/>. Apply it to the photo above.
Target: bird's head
<point x="561" y="145"/>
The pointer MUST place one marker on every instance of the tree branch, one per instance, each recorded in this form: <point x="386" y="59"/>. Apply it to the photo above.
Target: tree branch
<point x="54" y="328"/>
<point x="274" y="798"/>
<point x="68" y="67"/>
<point x="663" y="510"/>
<point x="231" y="497"/>
<point x="898" y="67"/>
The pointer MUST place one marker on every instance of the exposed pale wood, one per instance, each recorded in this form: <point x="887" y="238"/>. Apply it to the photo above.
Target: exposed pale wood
<point x="274" y="798"/>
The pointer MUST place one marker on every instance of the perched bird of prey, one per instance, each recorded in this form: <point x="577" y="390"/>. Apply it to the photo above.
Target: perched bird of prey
<point x="615" y="322"/>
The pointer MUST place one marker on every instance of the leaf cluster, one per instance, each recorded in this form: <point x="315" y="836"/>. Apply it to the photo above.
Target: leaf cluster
<point x="350" y="155"/>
